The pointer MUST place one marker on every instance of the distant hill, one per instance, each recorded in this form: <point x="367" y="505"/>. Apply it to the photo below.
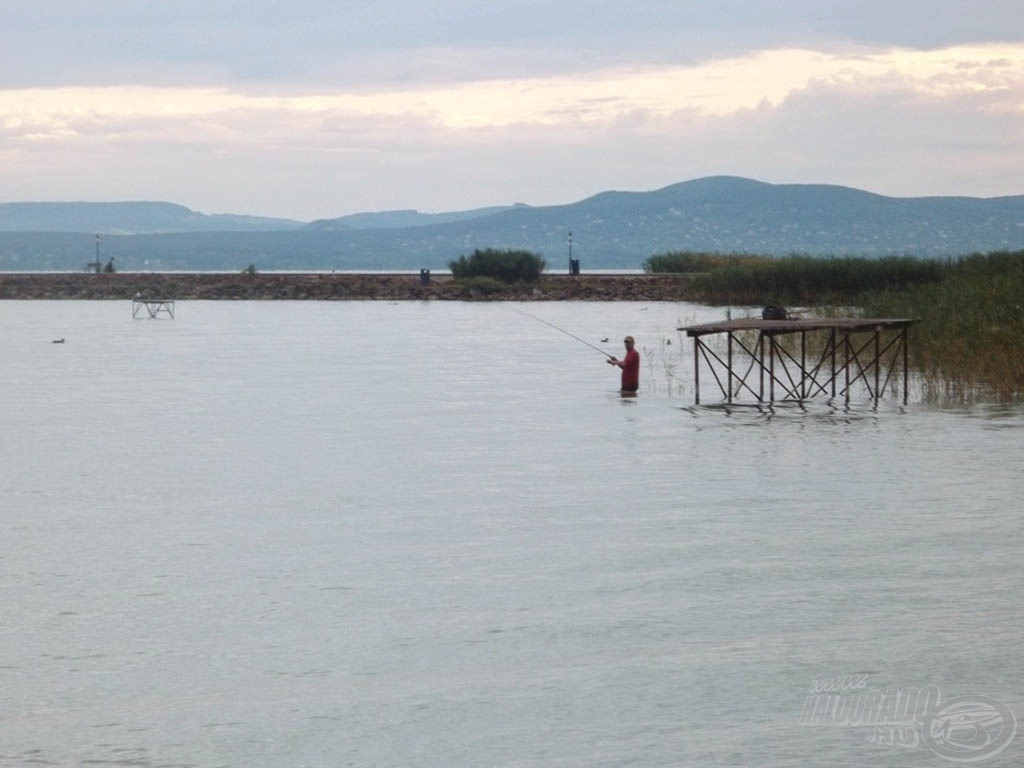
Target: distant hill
<point x="130" y="218"/>
<point x="405" y="218"/>
<point x="611" y="230"/>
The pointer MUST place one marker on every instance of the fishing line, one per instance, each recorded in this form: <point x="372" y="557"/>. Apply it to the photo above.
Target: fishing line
<point x="567" y="333"/>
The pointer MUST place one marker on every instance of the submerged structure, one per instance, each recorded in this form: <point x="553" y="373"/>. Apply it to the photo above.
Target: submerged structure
<point x="773" y="360"/>
<point x="152" y="307"/>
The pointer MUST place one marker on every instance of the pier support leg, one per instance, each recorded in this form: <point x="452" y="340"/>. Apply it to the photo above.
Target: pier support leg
<point x="878" y="363"/>
<point x="904" y="339"/>
<point x="846" y="364"/>
<point x="729" y="371"/>
<point x="832" y="345"/>
<point x="760" y="367"/>
<point x="803" y="366"/>
<point x="696" y="370"/>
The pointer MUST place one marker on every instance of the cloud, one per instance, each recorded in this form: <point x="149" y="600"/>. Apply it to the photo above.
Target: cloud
<point x="891" y="120"/>
<point x="716" y="88"/>
<point x="318" y="43"/>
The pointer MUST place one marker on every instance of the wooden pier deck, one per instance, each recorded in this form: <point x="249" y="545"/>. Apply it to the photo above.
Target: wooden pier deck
<point x="848" y="352"/>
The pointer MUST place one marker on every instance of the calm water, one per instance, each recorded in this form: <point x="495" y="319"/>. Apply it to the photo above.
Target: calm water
<point x="428" y="534"/>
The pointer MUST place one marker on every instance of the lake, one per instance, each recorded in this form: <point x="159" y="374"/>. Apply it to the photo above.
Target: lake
<point x="283" y="534"/>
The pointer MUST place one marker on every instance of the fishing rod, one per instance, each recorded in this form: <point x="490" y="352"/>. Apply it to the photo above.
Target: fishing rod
<point x="562" y="330"/>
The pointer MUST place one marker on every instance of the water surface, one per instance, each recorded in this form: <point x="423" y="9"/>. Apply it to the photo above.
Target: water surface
<point x="270" y="534"/>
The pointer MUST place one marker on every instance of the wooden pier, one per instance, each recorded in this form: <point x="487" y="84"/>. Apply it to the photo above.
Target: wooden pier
<point x="828" y="356"/>
<point x="152" y="307"/>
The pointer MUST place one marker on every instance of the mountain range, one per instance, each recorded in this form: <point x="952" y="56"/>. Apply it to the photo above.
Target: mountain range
<point x="610" y="230"/>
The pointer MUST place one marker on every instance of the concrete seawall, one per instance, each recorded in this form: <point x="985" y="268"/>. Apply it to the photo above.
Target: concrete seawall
<point x="331" y="287"/>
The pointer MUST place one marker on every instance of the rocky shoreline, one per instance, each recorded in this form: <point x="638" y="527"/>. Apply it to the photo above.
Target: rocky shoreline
<point x="331" y="287"/>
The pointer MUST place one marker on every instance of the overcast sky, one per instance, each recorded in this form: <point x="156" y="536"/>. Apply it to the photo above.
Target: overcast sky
<point x="317" y="108"/>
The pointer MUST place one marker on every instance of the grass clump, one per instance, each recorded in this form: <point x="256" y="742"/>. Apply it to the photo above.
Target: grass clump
<point x="505" y="266"/>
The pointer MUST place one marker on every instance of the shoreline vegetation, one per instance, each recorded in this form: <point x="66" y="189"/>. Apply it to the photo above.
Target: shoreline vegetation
<point x="967" y="341"/>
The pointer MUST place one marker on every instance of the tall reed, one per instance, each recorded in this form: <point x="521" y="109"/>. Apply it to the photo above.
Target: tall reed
<point x="968" y="341"/>
<point x="800" y="279"/>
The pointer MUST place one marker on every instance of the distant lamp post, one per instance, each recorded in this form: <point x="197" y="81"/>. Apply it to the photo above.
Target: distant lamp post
<point x="94" y="266"/>
<point x="574" y="264"/>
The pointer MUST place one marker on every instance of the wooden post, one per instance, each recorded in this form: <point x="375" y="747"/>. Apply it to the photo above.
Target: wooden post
<point x="906" y="365"/>
<point x="729" y="366"/>
<point x="803" y="365"/>
<point x="878" y="361"/>
<point x="696" y="369"/>
<point x="832" y="343"/>
<point x="846" y="364"/>
<point x="760" y="367"/>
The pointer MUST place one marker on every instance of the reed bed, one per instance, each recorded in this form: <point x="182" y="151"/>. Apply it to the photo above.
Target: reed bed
<point x="968" y="341"/>
<point x="796" y="279"/>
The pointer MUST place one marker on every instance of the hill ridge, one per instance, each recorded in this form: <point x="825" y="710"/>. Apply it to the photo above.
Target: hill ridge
<point x="611" y="230"/>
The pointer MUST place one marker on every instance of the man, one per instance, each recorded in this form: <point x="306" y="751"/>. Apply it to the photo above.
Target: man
<point x="630" y="367"/>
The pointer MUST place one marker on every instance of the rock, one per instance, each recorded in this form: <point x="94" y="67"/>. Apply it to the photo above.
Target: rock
<point x="331" y="287"/>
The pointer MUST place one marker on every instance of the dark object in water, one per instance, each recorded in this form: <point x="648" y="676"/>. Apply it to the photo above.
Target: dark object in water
<point x="772" y="312"/>
<point x="58" y="341"/>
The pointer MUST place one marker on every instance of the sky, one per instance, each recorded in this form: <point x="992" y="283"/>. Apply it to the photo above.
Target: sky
<point x="312" y="109"/>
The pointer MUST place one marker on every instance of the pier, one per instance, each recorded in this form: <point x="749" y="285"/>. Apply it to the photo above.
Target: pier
<point x="798" y="359"/>
<point x="152" y="307"/>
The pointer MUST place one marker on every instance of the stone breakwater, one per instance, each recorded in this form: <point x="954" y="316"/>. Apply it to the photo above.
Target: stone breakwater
<point x="331" y="287"/>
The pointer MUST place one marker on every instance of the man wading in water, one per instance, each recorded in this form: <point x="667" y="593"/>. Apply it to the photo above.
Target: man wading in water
<point x="630" y="367"/>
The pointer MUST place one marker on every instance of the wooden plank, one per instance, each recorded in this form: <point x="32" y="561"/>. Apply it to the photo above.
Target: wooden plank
<point x="772" y="327"/>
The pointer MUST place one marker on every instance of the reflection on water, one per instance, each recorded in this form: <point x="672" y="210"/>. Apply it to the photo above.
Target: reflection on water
<point x="268" y="534"/>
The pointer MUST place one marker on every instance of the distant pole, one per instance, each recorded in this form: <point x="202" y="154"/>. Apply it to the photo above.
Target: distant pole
<point x="570" y="253"/>
<point x="94" y="265"/>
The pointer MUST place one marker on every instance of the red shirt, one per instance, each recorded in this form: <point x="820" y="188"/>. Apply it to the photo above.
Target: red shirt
<point x="631" y="371"/>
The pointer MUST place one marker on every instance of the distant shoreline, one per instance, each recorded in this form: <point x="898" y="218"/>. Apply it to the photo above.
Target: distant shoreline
<point x="317" y="286"/>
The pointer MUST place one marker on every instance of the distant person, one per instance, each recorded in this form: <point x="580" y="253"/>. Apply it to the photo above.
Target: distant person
<point x="630" y="366"/>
